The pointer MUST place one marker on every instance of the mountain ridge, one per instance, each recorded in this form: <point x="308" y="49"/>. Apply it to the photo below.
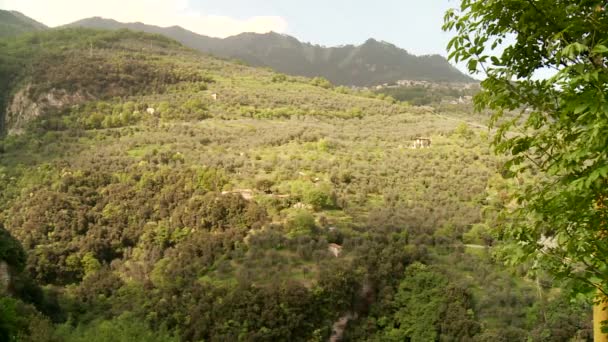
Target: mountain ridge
<point x="370" y="63"/>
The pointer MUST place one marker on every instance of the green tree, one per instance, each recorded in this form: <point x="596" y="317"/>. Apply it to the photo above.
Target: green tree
<point x="429" y="309"/>
<point x="8" y="319"/>
<point x="321" y="82"/>
<point x="555" y="126"/>
<point x="301" y="223"/>
<point x="90" y="264"/>
<point x="123" y="328"/>
<point x="21" y="322"/>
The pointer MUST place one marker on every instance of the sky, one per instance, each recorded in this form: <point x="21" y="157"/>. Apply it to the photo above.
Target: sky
<point x="414" y="25"/>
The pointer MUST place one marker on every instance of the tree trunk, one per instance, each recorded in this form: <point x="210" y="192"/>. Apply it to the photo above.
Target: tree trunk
<point x="600" y="314"/>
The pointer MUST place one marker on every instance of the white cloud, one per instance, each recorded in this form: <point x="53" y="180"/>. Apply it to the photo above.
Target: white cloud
<point x="153" y="12"/>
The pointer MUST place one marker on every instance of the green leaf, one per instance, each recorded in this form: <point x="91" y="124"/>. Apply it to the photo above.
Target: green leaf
<point x="472" y="65"/>
<point x="581" y="108"/>
<point x="599" y="49"/>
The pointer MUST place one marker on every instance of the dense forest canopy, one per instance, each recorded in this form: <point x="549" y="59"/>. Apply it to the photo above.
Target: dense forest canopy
<point x="157" y="194"/>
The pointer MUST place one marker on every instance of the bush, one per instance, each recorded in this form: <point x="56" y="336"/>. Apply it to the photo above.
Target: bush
<point x="301" y="223"/>
<point x="264" y="185"/>
<point x="319" y="196"/>
<point x="279" y="78"/>
<point x="124" y="328"/>
<point x="321" y="82"/>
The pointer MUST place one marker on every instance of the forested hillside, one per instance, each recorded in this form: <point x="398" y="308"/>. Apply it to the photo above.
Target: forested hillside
<point x="13" y="23"/>
<point x="368" y="64"/>
<point x="149" y="192"/>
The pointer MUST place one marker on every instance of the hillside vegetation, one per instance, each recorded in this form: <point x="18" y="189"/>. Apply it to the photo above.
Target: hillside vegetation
<point x="13" y="23"/>
<point x="158" y="194"/>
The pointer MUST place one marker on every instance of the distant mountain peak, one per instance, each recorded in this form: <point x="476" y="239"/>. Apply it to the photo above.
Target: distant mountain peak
<point x="381" y="43"/>
<point x="269" y="34"/>
<point x="101" y="19"/>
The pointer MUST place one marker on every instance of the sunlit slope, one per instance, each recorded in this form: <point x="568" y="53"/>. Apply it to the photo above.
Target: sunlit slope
<point x="154" y="187"/>
<point x="112" y="109"/>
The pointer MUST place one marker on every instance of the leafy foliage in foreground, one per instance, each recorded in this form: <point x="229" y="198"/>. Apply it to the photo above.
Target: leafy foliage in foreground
<point x="559" y="221"/>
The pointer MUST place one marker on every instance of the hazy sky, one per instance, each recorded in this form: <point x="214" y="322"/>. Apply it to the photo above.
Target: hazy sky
<point x="412" y="24"/>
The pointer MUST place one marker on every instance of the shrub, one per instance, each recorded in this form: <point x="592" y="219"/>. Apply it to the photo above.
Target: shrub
<point x="301" y="223"/>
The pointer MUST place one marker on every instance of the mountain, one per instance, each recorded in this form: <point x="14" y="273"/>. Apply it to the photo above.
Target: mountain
<point x="13" y="23"/>
<point x="369" y="64"/>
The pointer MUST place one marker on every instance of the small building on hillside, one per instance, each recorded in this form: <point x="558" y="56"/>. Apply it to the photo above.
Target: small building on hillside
<point x="335" y="249"/>
<point x="301" y="205"/>
<point x="421" y="143"/>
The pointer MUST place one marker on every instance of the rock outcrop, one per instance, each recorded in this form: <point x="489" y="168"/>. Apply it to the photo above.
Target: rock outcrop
<point x="24" y="106"/>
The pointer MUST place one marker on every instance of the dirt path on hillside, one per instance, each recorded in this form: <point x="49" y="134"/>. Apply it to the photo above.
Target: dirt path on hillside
<point x="476" y="246"/>
<point x="473" y="124"/>
<point x="337" y="330"/>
